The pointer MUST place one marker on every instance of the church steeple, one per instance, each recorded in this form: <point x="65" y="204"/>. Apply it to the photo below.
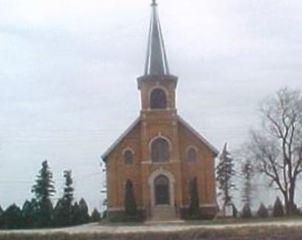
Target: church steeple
<point x="157" y="85"/>
<point x="156" y="61"/>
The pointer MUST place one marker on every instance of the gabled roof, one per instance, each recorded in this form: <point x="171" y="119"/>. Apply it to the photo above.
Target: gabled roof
<point x="136" y="122"/>
<point x="128" y="130"/>
<point x="201" y="138"/>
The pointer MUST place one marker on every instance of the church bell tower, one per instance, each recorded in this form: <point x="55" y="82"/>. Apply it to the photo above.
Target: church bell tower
<point x="159" y="117"/>
<point x="160" y="155"/>
<point x="157" y="85"/>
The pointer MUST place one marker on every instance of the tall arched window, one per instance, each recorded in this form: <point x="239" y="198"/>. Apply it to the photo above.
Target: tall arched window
<point x="160" y="150"/>
<point x="191" y="154"/>
<point x="128" y="157"/>
<point x="158" y="99"/>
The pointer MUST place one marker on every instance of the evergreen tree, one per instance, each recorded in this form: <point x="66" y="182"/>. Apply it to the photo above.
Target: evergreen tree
<point x="83" y="209"/>
<point x="44" y="190"/>
<point x="1" y="217"/>
<point x="12" y="217"/>
<point x="262" y="211"/>
<point x="30" y="211"/>
<point x="246" y="211"/>
<point x="193" y="210"/>
<point x="247" y="173"/>
<point x="129" y="201"/>
<point x="225" y="171"/>
<point x="68" y="197"/>
<point x="63" y="209"/>
<point x="278" y="210"/>
<point x="95" y="216"/>
<point x="234" y="211"/>
<point x="58" y="214"/>
<point x="76" y="214"/>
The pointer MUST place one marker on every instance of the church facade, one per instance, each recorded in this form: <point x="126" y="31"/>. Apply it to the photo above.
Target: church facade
<point x="160" y="153"/>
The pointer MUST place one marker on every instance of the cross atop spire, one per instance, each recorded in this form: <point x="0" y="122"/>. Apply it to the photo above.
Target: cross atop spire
<point x="156" y="61"/>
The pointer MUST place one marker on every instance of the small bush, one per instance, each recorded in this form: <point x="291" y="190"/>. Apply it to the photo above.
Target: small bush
<point x="246" y="211"/>
<point x="262" y="211"/>
<point x="235" y="211"/>
<point x="193" y="210"/>
<point x="95" y="216"/>
<point x="129" y="201"/>
<point x="278" y="210"/>
<point x="12" y="217"/>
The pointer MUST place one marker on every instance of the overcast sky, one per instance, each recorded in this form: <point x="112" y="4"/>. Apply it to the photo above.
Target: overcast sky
<point x="68" y="74"/>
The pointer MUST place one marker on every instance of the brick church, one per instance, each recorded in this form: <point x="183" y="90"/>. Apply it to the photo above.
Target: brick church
<point x="160" y="153"/>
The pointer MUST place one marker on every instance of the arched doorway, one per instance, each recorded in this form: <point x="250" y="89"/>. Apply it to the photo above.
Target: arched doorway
<point x="162" y="190"/>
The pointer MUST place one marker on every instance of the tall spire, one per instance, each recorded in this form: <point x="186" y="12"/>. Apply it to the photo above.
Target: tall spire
<point x="156" y="62"/>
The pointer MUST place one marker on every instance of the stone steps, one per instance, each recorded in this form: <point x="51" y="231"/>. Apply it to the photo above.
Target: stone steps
<point x="163" y="213"/>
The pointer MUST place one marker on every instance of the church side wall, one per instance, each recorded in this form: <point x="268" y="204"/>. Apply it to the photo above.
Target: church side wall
<point x="118" y="172"/>
<point x="203" y="169"/>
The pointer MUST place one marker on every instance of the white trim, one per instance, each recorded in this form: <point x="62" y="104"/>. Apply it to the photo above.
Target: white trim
<point x="112" y="209"/>
<point x="158" y="86"/>
<point x="201" y="205"/>
<point x="128" y="149"/>
<point x="160" y="163"/>
<point x="123" y="155"/>
<point x="213" y="149"/>
<point x="111" y="148"/>
<point x="159" y="135"/>
<point x="171" y="178"/>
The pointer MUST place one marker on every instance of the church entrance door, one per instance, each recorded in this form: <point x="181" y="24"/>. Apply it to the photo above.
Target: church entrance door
<point x="162" y="190"/>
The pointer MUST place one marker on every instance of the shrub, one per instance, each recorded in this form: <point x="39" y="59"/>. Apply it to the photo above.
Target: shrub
<point x="83" y="210"/>
<point x="12" y="217"/>
<point x="58" y="214"/>
<point x="193" y="210"/>
<point x="246" y="211"/>
<point x="29" y="213"/>
<point x="130" y="204"/>
<point x="95" y="216"/>
<point x="235" y="211"/>
<point x="45" y="213"/>
<point x="104" y="214"/>
<point x="262" y="211"/>
<point x="75" y="214"/>
<point x="278" y="210"/>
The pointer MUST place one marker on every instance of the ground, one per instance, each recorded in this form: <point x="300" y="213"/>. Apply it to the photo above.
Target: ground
<point x="253" y="229"/>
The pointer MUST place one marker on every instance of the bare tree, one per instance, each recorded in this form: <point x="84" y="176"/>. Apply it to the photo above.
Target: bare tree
<point x="277" y="147"/>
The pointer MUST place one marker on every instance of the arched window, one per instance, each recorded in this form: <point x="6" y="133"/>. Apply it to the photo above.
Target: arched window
<point x="191" y="155"/>
<point x="128" y="157"/>
<point x="162" y="192"/>
<point x="158" y="99"/>
<point x="160" y="150"/>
